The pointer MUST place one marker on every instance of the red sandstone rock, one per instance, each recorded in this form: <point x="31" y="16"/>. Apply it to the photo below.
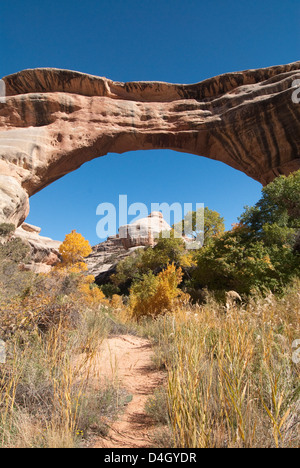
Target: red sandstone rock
<point x="55" y="120"/>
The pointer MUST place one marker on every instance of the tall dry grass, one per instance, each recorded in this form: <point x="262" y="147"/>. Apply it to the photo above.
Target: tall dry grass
<point x="43" y="384"/>
<point x="231" y="378"/>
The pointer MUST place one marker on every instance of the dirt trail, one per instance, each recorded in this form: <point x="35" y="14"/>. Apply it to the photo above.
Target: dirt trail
<point x="128" y="358"/>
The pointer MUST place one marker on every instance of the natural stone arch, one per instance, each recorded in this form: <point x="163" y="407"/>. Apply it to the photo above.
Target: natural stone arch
<point x="53" y="121"/>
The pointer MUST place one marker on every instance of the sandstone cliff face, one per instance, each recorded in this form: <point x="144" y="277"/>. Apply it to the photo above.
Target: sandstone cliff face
<point x="105" y="256"/>
<point x="142" y="233"/>
<point x="53" y="121"/>
<point x="43" y="251"/>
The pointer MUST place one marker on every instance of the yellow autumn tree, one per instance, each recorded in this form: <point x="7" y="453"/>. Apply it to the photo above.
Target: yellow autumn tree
<point x="154" y="295"/>
<point x="91" y="293"/>
<point x="74" y="250"/>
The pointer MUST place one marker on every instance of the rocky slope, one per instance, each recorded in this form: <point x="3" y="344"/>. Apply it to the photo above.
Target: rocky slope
<point x="43" y="251"/>
<point x="53" y="121"/>
<point x="142" y="233"/>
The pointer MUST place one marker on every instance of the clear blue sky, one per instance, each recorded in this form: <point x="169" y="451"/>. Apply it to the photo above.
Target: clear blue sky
<point x="179" y="41"/>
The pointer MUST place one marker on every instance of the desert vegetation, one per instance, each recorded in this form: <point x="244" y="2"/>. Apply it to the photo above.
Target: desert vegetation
<point x="230" y="377"/>
<point x="53" y="326"/>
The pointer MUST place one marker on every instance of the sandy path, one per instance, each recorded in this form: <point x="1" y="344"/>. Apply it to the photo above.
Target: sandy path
<point x="128" y="358"/>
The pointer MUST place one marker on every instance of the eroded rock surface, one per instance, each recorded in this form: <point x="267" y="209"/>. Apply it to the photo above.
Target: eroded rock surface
<point x="143" y="232"/>
<point x="139" y="234"/>
<point x="44" y="253"/>
<point x="54" y="120"/>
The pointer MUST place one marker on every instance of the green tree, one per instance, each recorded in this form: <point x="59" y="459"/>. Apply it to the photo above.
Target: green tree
<point x="213" y="224"/>
<point x="230" y="263"/>
<point x="258" y="253"/>
<point x="276" y="217"/>
<point x="152" y="259"/>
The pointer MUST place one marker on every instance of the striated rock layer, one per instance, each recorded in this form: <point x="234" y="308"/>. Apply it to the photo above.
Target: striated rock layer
<point x="53" y="121"/>
<point x="143" y="232"/>
<point x="44" y="252"/>
<point x="140" y="234"/>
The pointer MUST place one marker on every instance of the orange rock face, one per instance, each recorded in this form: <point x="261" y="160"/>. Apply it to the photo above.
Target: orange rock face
<point x="53" y="121"/>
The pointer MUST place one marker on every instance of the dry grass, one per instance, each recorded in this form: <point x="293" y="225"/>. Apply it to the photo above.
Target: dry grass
<point x="47" y="397"/>
<point x="41" y="388"/>
<point x="231" y="379"/>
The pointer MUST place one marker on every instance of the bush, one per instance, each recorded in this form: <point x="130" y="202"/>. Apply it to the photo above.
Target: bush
<point x="152" y="259"/>
<point x="14" y="251"/>
<point x="12" y="280"/>
<point x="92" y="294"/>
<point x="116" y="302"/>
<point x="110" y="290"/>
<point x="6" y="229"/>
<point x="100" y="408"/>
<point x="230" y="263"/>
<point x="154" y="295"/>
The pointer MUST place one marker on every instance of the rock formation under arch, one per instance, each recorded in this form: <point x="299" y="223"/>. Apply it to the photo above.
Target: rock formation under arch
<point x="52" y="121"/>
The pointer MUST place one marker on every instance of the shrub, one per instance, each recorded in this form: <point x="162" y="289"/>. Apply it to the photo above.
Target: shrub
<point x="14" y="251"/>
<point x="109" y="290"/>
<point x="232" y="263"/>
<point x="116" y="302"/>
<point x="157" y="406"/>
<point x="92" y="294"/>
<point x="6" y="229"/>
<point x="154" y="295"/>
<point x="155" y="259"/>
